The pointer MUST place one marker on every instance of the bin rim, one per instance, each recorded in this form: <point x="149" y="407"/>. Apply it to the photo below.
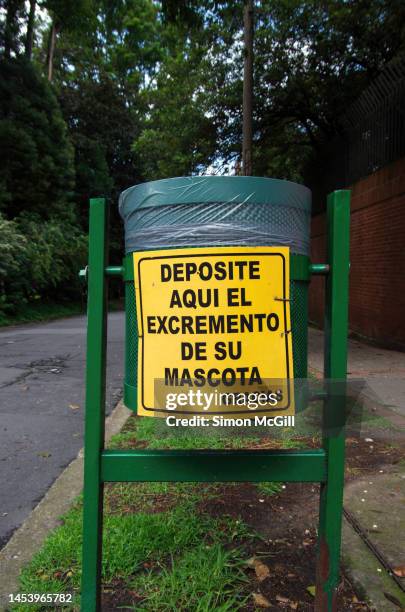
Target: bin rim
<point x="207" y="189"/>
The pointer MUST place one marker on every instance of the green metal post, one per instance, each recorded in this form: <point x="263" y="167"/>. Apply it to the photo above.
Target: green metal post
<point x="335" y="369"/>
<point x="95" y="406"/>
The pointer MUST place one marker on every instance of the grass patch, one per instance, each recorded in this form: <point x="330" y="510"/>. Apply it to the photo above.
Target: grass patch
<point x="165" y="542"/>
<point x="154" y="434"/>
<point x="36" y="312"/>
<point x="269" y="488"/>
<point x="204" y="578"/>
<point x="375" y="422"/>
<point x="123" y="498"/>
<point x="159" y="541"/>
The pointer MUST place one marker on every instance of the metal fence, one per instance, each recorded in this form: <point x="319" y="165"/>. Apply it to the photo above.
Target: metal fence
<point x="373" y="135"/>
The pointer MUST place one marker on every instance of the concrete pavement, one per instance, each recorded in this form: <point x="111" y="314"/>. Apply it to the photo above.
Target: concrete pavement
<point x="42" y="380"/>
<point x="375" y="502"/>
<point x="382" y="370"/>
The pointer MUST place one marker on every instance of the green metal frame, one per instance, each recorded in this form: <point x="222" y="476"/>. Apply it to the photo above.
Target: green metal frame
<point x="324" y="465"/>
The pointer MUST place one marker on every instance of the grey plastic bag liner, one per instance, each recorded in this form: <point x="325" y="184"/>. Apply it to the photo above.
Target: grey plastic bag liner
<point x="216" y="211"/>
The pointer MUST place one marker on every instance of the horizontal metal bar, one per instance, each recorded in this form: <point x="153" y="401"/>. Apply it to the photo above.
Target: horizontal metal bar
<point x="299" y="267"/>
<point x="213" y="465"/>
<point x="114" y="270"/>
<point x="319" y="268"/>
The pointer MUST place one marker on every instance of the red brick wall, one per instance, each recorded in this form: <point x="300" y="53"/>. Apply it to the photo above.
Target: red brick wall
<point x="377" y="254"/>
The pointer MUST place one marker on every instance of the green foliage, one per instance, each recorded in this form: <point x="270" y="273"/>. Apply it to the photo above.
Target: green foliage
<point x="13" y="248"/>
<point x="155" y="433"/>
<point x="36" y="173"/>
<point x="269" y="488"/>
<point x="41" y="259"/>
<point x="131" y="35"/>
<point x="56" y="251"/>
<point x="204" y="578"/>
<point x="180" y="132"/>
<point x="178" y="138"/>
<point x="312" y="60"/>
<point x="11" y="36"/>
<point x="145" y="90"/>
<point x="182" y="534"/>
<point x="102" y="129"/>
<point x="99" y="75"/>
<point x="36" y="311"/>
<point x="77" y="19"/>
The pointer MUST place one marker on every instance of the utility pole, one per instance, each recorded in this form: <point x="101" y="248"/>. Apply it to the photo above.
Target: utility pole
<point x="247" y="135"/>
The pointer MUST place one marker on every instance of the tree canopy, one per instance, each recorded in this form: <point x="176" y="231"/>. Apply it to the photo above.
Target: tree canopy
<point x="98" y="95"/>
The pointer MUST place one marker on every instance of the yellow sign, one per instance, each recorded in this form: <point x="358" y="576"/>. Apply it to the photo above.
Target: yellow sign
<point x="214" y="331"/>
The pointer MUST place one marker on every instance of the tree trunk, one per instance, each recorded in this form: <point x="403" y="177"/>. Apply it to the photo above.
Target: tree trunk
<point x="247" y="89"/>
<point x="10" y="27"/>
<point x="51" y="49"/>
<point x="30" y="30"/>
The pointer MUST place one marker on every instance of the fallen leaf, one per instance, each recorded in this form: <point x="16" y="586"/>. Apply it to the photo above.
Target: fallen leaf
<point x="311" y="590"/>
<point x="261" y="601"/>
<point x="293" y="605"/>
<point x="74" y="406"/>
<point x="250" y="562"/>
<point x="282" y="599"/>
<point x="261" y="570"/>
<point x="400" y="571"/>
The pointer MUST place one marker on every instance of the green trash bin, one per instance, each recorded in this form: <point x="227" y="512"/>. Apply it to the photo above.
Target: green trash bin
<point x="217" y="211"/>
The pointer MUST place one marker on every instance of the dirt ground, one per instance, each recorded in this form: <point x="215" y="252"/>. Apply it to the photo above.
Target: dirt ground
<point x="281" y="563"/>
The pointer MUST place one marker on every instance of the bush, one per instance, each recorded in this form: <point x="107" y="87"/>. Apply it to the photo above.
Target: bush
<point x="55" y="252"/>
<point x="13" y="248"/>
<point x="40" y="259"/>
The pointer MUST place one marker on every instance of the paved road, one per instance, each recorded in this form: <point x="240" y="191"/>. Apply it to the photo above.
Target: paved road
<point x="42" y="370"/>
